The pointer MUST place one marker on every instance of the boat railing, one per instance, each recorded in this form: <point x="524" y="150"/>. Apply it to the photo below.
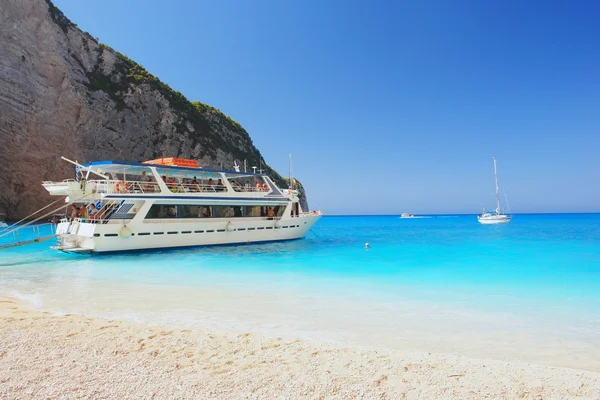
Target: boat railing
<point x="27" y="234"/>
<point x="122" y="186"/>
<point x="134" y="187"/>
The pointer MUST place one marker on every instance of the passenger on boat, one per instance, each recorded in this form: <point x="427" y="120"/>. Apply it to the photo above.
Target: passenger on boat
<point x="220" y="186"/>
<point x="82" y="213"/>
<point x="195" y="187"/>
<point x="92" y="211"/>
<point x="74" y="211"/>
<point x="236" y="186"/>
<point x="145" y="179"/>
<point x="172" y="185"/>
<point x="271" y="213"/>
<point x="211" y="185"/>
<point x="205" y="212"/>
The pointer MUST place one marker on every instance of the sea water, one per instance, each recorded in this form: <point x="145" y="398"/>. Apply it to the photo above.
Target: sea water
<point x="528" y="290"/>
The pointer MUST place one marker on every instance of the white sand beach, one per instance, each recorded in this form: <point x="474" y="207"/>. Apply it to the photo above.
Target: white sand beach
<point x="46" y="356"/>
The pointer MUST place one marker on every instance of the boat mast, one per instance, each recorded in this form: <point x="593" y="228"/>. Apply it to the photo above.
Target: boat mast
<point x="291" y="183"/>
<point x="497" y="195"/>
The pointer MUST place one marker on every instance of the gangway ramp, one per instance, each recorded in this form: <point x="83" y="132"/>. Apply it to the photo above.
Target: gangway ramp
<point x="30" y="234"/>
<point x="22" y="233"/>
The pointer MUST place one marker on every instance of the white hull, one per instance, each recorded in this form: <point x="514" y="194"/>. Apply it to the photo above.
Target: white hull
<point x="495" y="219"/>
<point x="139" y="206"/>
<point x="85" y="237"/>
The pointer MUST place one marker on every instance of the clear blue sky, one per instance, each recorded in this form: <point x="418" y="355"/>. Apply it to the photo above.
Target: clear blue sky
<point x="389" y="107"/>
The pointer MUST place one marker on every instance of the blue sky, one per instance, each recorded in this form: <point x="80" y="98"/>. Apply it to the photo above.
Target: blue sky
<point x="389" y="107"/>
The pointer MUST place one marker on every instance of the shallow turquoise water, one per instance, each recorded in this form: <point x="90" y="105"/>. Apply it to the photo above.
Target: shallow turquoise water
<point x="440" y="275"/>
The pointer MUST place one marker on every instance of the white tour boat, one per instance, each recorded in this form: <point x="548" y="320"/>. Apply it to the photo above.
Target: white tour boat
<point x="496" y="216"/>
<point x="165" y="203"/>
<point x="406" y="215"/>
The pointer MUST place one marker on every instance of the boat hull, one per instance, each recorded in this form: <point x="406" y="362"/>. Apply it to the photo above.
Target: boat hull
<point x="498" y="219"/>
<point x="85" y="237"/>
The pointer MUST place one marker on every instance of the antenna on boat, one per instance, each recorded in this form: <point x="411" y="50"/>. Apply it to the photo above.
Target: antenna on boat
<point x="245" y="166"/>
<point x="236" y="167"/>
<point x="254" y="170"/>
<point x="291" y="184"/>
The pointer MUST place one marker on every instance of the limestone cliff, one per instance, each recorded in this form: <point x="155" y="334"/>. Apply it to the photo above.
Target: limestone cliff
<point x="63" y="93"/>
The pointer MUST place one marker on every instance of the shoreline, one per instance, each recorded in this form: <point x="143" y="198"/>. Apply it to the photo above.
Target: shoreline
<point x="43" y="355"/>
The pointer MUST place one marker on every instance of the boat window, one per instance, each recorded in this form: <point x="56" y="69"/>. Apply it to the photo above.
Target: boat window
<point x="279" y="210"/>
<point x="190" y="211"/>
<point x="228" y="211"/>
<point x="162" y="211"/>
<point x="223" y="211"/>
<point x="255" y="211"/>
<point x="166" y="211"/>
<point x="205" y="212"/>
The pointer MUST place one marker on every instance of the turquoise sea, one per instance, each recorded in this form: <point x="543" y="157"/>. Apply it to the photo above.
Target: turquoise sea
<point x="528" y="290"/>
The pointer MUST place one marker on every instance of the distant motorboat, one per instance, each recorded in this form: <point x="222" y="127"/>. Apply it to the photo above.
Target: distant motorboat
<point x="496" y="216"/>
<point x="3" y="224"/>
<point x="407" y="215"/>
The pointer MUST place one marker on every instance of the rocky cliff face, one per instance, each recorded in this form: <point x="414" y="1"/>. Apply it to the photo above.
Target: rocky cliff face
<point x="63" y="93"/>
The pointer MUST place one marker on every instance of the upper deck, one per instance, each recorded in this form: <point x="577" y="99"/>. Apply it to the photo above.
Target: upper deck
<point x="101" y="178"/>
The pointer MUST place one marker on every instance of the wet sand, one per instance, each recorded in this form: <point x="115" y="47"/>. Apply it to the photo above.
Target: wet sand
<point x="46" y="356"/>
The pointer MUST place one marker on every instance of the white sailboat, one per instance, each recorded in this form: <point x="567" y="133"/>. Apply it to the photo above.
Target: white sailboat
<point x="494" y="217"/>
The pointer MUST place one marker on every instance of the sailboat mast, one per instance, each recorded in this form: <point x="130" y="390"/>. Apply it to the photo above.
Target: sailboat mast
<point x="497" y="194"/>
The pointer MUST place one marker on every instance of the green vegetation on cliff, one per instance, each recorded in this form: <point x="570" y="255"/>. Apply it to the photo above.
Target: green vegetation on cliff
<point x="208" y="124"/>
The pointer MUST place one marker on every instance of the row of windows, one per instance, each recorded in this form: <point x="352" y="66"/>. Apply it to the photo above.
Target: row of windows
<point x="205" y="211"/>
<point x="200" y="231"/>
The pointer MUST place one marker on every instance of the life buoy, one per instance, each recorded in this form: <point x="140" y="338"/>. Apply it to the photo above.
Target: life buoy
<point x="122" y="186"/>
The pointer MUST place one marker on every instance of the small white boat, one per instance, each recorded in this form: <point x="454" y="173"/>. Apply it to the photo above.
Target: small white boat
<point x="3" y="223"/>
<point x="407" y="215"/>
<point x="496" y="216"/>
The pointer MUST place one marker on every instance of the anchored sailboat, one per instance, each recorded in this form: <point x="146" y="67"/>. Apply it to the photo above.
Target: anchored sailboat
<point x="494" y="217"/>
